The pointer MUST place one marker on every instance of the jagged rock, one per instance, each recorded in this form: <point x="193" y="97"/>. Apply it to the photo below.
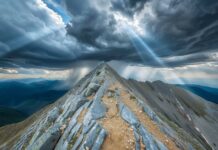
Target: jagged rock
<point x="87" y="126"/>
<point x="53" y="115"/>
<point x="71" y="129"/>
<point x="49" y="137"/>
<point x="98" y="110"/>
<point x="102" y="90"/>
<point x="91" y="137"/>
<point x="151" y="114"/>
<point x="127" y="115"/>
<point x="78" y="142"/>
<point x="98" y="79"/>
<point x="137" y="139"/>
<point x="51" y="142"/>
<point x="149" y="141"/>
<point x="73" y="105"/>
<point x="99" y="140"/>
<point x="92" y="88"/>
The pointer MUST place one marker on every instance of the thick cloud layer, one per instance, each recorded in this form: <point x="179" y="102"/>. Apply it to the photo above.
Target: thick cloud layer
<point x="170" y="27"/>
<point x="36" y="34"/>
<point x="33" y="35"/>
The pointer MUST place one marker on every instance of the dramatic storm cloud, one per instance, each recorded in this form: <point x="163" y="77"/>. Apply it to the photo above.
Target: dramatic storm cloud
<point x="55" y="34"/>
<point x="58" y="34"/>
<point x="170" y="28"/>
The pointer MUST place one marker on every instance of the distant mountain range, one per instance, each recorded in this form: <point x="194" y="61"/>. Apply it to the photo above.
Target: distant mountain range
<point x="21" y="98"/>
<point x="208" y="93"/>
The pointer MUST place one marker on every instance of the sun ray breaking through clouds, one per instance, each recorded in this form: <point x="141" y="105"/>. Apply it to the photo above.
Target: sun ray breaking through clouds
<point x="146" y="52"/>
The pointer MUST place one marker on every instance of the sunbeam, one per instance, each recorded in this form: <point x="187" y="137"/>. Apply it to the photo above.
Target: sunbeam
<point x="144" y="51"/>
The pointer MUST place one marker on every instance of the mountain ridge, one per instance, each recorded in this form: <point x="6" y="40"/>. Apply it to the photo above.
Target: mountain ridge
<point x="144" y="115"/>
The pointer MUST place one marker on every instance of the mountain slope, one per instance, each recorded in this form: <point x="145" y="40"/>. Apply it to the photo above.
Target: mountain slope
<point x="105" y="111"/>
<point x="9" y="115"/>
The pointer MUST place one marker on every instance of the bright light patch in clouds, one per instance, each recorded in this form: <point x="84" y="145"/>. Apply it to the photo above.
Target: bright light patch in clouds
<point x="55" y="16"/>
<point x="123" y="22"/>
<point x="23" y="73"/>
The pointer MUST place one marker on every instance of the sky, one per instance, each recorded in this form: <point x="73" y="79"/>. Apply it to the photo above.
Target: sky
<point x="170" y="40"/>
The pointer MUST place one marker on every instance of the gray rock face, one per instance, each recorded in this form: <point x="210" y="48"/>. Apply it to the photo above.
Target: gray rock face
<point x="137" y="139"/>
<point x="91" y="136"/>
<point x="100" y="139"/>
<point x="49" y="137"/>
<point x="53" y="115"/>
<point x="150" y="142"/>
<point x="127" y="115"/>
<point x="51" y="142"/>
<point x="78" y="143"/>
<point x="92" y="88"/>
<point x="98" y="110"/>
<point x="93" y="139"/>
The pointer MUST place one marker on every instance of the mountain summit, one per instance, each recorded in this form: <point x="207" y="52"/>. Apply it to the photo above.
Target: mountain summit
<point x="105" y="111"/>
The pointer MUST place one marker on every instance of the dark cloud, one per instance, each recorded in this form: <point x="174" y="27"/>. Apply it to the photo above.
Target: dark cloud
<point x="175" y="27"/>
<point x="185" y="26"/>
<point x="31" y="36"/>
<point x="128" y="7"/>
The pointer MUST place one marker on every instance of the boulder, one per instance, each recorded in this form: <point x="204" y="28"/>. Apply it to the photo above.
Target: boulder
<point x="98" y="110"/>
<point x="128" y="115"/>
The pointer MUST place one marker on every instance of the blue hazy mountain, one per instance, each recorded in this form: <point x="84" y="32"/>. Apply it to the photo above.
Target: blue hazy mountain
<point x="21" y="98"/>
<point x="10" y="115"/>
<point x="208" y="93"/>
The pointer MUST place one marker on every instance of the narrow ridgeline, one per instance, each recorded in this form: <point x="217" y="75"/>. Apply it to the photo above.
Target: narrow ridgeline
<point x="105" y="111"/>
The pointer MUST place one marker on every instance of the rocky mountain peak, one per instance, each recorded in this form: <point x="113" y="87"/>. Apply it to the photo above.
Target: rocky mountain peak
<point x="105" y="111"/>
